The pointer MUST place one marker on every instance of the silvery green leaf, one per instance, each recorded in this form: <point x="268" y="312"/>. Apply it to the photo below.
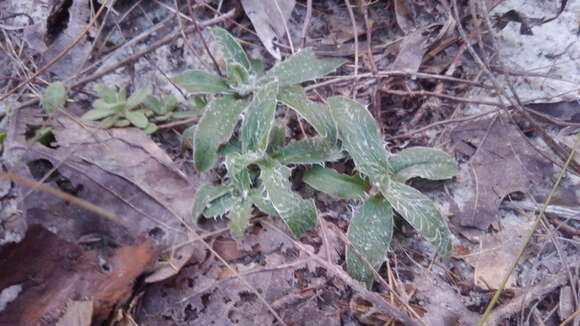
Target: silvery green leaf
<point x="122" y="123"/>
<point x="419" y="211"/>
<point x="180" y="115"/>
<point x="187" y="137"/>
<point x="108" y="94"/>
<point x="423" y="162"/>
<point x="110" y="121"/>
<point x="54" y="97"/>
<point x="98" y="114"/>
<point x="100" y="104"/>
<point x="299" y="214"/>
<point x="240" y="218"/>
<point x="206" y="194"/>
<point x="303" y="66"/>
<point x="360" y="136"/>
<point x="259" y="198"/>
<point x="198" y="103"/>
<point x="237" y="166"/>
<point x="234" y="146"/>
<point x="230" y="49"/>
<point x="220" y="206"/>
<point x="259" y="119"/>
<point x="201" y="82"/>
<point x="277" y="136"/>
<point x="215" y="127"/>
<point x="237" y="74"/>
<point x="122" y="94"/>
<point x="137" y="98"/>
<point x="308" y="151"/>
<point x="137" y="118"/>
<point x="316" y="114"/>
<point x="338" y="185"/>
<point x="370" y="232"/>
<point x="154" y="104"/>
<point x="169" y="103"/>
<point x="257" y="66"/>
<point x="236" y="162"/>
<point x="150" y="129"/>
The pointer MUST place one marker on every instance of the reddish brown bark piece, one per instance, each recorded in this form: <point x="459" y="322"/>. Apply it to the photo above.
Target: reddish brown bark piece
<point x="52" y="272"/>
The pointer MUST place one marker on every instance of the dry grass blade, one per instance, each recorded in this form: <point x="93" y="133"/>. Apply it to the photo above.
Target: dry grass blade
<point x="34" y="185"/>
<point x="495" y="297"/>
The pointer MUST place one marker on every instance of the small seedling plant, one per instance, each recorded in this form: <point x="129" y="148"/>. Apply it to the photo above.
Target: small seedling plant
<point x="142" y="110"/>
<point x="258" y="162"/>
<point x="256" y="158"/>
<point x="379" y="185"/>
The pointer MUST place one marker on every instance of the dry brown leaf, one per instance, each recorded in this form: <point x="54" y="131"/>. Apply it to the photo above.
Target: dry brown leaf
<point x="502" y="162"/>
<point x="565" y="302"/>
<point x="120" y="170"/>
<point x="269" y="18"/>
<point x="78" y="14"/>
<point x="77" y="313"/>
<point x="52" y="272"/>
<point x="496" y="255"/>
<point x="202" y="295"/>
<point x="405" y="15"/>
<point x="411" y="52"/>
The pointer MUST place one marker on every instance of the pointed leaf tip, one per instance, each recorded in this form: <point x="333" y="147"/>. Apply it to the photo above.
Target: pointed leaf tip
<point x="201" y="82"/>
<point x="303" y="66"/>
<point x="423" y="162"/>
<point x="360" y="136"/>
<point x="336" y="184"/>
<point x="215" y="127"/>
<point x="299" y="214"/>
<point x="54" y="97"/>
<point x="420" y="212"/>
<point x="370" y="233"/>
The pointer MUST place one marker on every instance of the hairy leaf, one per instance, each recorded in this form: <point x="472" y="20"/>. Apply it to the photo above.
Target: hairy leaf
<point x="277" y="136"/>
<point x="370" y="232"/>
<point x="259" y="198"/>
<point x="419" y="211"/>
<point x="110" y="121"/>
<point x="237" y="164"/>
<point x="303" y="66"/>
<point x="316" y="114"/>
<point x="150" y="128"/>
<point x="215" y="127"/>
<point x="154" y="104"/>
<point x="360" y="136"/>
<point x="201" y="82"/>
<point x="108" y="94"/>
<point x="230" y="49"/>
<point x="308" y="151"/>
<point x="259" y="119"/>
<point x="299" y="214"/>
<point x="336" y="184"/>
<point x="98" y="114"/>
<point x="423" y="162"/>
<point x="137" y="98"/>
<point x="206" y="194"/>
<point x="54" y="97"/>
<point x="220" y="206"/>
<point x="238" y="74"/>
<point x="240" y="218"/>
<point x="137" y="118"/>
<point x="122" y="123"/>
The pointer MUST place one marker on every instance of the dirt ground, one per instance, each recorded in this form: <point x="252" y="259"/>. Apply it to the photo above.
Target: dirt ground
<point x="96" y="226"/>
